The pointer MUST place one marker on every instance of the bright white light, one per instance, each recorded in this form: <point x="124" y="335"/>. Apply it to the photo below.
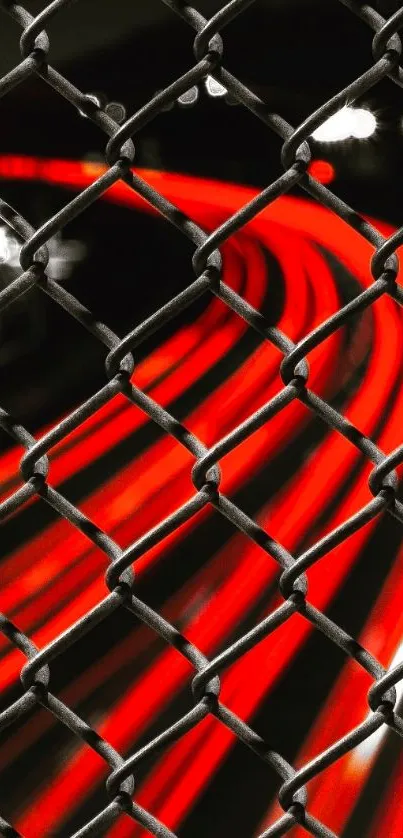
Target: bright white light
<point x="4" y="246"/>
<point x="364" y="124"/>
<point x="63" y="254"/>
<point x="190" y="97"/>
<point x="357" y="123"/>
<point x="367" y="749"/>
<point x="337" y="127"/>
<point x="214" y="88"/>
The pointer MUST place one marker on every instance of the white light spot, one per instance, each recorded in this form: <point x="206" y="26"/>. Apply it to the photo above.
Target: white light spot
<point x="357" y="123"/>
<point x="364" y="124"/>
<point x="214" y="88"/>
<point x="368" y="748"/>
<point x="190" y="97"/>
<point x="4" y="246"/>
<point x="64" y="254"/>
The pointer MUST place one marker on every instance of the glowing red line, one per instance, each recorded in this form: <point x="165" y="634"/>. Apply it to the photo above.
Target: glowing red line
<point x="347" y="707"/>
<point x="85" y="566"/>
<point x="189" y="598"/>
<point x="180" y="345"/>
<point x="280" y="652"/>
<point x="40" y="545"/>
<point x="119" y="427"/>
<point x="44" y="571"/>
<point x="226" y="608"/>
<point x="208" y="755"/>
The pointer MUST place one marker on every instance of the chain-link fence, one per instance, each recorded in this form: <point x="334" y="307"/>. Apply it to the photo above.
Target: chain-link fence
<point x="120" y="366"/>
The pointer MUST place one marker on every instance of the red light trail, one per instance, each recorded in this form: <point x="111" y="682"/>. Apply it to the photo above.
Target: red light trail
<point x="56" y="577"/>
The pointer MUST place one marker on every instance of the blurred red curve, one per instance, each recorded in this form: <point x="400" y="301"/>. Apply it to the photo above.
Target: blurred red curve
<point x="345" y="708"/>
<point x="291" y="635"/>
<point x="320" y="309"/>
<point x="302" y="224"/>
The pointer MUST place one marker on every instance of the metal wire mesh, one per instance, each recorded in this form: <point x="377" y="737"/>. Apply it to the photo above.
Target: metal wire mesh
<point x="120" y="581"/>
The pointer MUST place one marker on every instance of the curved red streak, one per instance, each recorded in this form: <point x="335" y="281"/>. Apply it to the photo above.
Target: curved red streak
<point x="53" y="593"/>
<point x="162" y="681"/>
<point x="346" y="707"/>
<point x="75" y="451"/>
<point x="163" y="360"/>
<point x="40" y="545"/>
<point x="112" y="499"/>
<point x="211" y="753"/>
<point x="187" y="599"/>
<point x="304" y="220"/>
<point x="288" y="640"/>
<point x="127" y="421"/>
<point x="209" y="744"/>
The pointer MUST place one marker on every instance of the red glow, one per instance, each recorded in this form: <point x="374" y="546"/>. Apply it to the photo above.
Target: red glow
<point x="322" y="170"/>
<point x="59" y="567"/>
